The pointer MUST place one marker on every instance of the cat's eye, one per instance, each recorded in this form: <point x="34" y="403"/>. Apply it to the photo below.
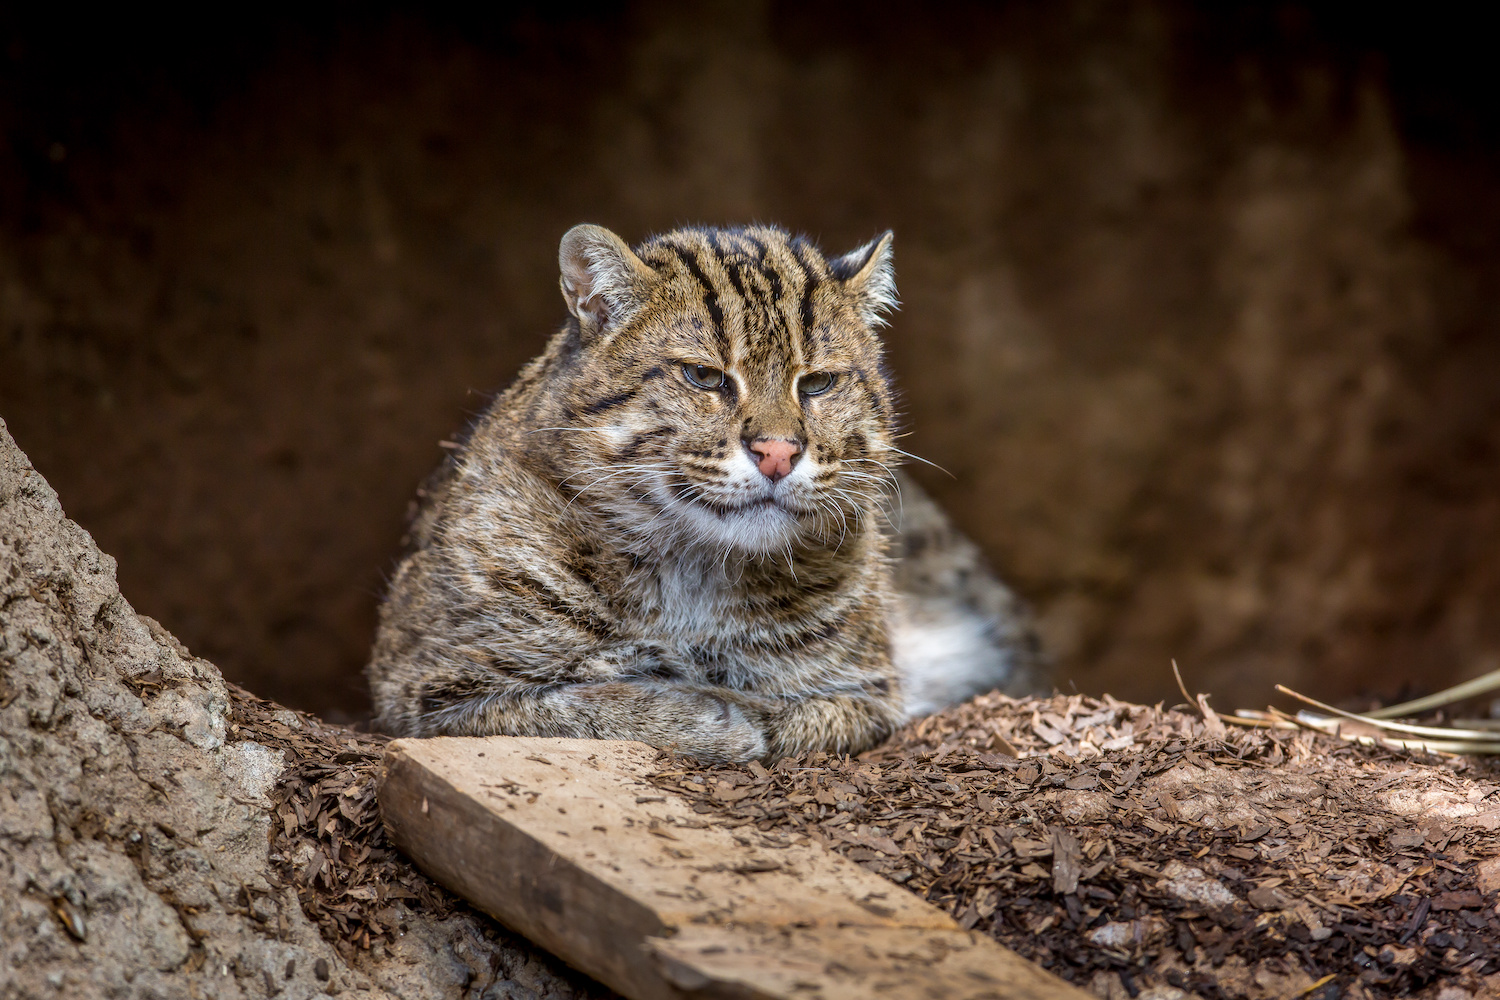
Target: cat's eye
<point x="816" y="383"/>
<point x="703" y="376"/>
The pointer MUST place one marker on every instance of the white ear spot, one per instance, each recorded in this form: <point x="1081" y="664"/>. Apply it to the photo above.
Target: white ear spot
<point x="603" y="282"/>
<point x="870" y="278"/>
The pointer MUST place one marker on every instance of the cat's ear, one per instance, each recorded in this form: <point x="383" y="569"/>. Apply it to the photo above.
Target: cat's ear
<point x="870" y="278"/>
<point x="602" y="280"/>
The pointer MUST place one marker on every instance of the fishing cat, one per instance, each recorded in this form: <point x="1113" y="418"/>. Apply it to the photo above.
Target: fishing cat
<point x="682" y="524"/>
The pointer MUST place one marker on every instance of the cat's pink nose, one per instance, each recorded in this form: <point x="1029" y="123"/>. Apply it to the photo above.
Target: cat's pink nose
<point x="775" y="456"/>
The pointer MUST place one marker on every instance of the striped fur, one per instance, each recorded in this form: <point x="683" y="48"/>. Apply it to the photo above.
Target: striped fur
<point x="603" y="558"/>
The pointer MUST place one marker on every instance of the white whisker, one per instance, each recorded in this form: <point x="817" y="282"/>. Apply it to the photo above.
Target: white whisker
<point x="924" y="461"/>
<point x="600" y="430"/>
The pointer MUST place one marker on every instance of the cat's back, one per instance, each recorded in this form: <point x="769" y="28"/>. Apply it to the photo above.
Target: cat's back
<point x="956" y="628"/>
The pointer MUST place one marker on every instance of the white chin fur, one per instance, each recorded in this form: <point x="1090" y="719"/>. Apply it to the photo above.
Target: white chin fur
<point x="758" y="529"/>
<point x="755" y="531"/>
<point x="945" y="655"/>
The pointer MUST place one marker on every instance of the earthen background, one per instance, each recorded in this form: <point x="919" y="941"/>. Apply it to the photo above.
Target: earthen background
<point x="1199" y="302"/>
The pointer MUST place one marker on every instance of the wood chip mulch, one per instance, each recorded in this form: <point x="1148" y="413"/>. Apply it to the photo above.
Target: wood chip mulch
<point x="328" y="844"/>
<point x="1131" y="848"/>
<point x="327" y="841"/>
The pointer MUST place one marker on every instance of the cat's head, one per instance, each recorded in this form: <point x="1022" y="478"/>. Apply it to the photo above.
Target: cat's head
<point x="725" y="387"/>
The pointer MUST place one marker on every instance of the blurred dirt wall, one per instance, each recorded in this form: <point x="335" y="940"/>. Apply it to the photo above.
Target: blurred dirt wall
<point x="1198" y="303"/>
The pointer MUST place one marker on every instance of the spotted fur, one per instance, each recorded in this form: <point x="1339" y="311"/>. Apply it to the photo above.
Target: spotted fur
<point x="624" y="549"/>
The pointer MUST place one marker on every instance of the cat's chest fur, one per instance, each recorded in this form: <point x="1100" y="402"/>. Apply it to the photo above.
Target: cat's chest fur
<point x="683" y="601"/>
<point x="710" y="609"/>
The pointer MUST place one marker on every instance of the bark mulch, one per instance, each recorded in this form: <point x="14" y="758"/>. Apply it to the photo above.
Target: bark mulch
<point x="327" y="841"/>
<point x="1134" y="850"/>
<point x="329" y="845"/>
<point x="1131" y="848"/>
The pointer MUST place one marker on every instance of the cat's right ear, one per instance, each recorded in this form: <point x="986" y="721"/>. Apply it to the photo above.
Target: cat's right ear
<point x="603" y="281"/>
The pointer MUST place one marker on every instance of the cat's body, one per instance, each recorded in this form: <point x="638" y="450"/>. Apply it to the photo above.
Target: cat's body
<point x="672" y="528"/>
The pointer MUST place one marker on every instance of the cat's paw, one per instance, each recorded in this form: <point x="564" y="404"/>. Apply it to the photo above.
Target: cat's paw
<point x="719" y="732"/>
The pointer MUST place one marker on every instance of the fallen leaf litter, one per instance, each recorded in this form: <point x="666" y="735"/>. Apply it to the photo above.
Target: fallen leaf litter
<point x="1128" y="848"/>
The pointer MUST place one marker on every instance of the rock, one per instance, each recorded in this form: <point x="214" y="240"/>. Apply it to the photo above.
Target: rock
<point x="134" y="848"/>
<point x="1193" y="885"/>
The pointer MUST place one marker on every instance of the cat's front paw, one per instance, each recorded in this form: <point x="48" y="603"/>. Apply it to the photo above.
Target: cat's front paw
<point x="719" y="732"/>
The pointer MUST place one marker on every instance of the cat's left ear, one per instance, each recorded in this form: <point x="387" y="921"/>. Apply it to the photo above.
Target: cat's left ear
<point x="869" y="276"/>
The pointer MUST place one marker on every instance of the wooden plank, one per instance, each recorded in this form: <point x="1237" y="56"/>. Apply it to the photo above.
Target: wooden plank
<point x="563" y="841"/>
<point x="853" y="963"/>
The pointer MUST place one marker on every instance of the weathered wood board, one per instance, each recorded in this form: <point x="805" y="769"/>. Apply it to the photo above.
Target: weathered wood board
<point x="564" y="842"/>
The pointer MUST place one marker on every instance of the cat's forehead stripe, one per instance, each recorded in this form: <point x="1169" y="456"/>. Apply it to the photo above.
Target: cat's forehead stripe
<point x="729" y="264"/>
<point x="809" y="286"/>
<point x="764" y="278"/>
<point x="690" y="261"/>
